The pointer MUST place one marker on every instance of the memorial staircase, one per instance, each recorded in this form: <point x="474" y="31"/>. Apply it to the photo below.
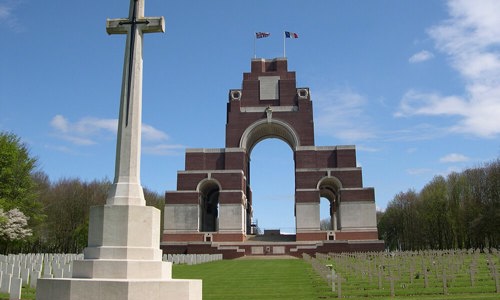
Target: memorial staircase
<point x="270" y="245"/>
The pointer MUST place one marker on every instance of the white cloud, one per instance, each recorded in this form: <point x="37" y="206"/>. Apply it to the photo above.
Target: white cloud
<point x="453" y="158"/>
<point x="87" y="131"/>
<point x="5" y="11"/>
<point x="418" y="103"/>
<point x="471" y="40"/>
<point x="340" y="113"/>
<point x="7" y="8"/>
<point x="59" y="123"/>
<point x="411" y="150"/>
<point x="420" y="56"/>
<point x="152" y="134"/>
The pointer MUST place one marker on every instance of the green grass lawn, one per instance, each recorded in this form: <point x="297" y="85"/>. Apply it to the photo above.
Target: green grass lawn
<point x="291" y="279"/>
<point x="256" y="279"/>
<point x="26" y="294"/>
<point x="286" y="279"/>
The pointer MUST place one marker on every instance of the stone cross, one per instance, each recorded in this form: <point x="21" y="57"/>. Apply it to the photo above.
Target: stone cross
<point x="127" y="189"/>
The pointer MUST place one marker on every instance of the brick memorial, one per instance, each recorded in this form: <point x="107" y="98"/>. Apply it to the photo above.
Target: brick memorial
<point x="213" y="200"/>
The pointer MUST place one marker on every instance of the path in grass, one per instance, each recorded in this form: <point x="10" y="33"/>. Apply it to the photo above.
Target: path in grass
<point x="256" y="279"/>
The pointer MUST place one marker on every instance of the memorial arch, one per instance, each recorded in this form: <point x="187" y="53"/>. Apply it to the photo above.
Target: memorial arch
<point x="269" y="105"/>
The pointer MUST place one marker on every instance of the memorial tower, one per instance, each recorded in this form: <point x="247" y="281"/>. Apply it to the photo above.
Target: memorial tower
<point x="213" y="200"/>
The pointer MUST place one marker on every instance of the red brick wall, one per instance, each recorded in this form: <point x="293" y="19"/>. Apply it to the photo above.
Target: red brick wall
<point x="349" y="179"/>
<point x="228" y="237"/>
<point x="356" y="235"/>
<point x="229" y="181"/>
<point x="175" y="197"/>
<point x="231" y="197"/>
<point x="307" y="197"/>
<point x="366" y="194"/>
<point x="204" y="161"/>
<point x="346" y="158"/>
<point x="301" y="121"/>
<point x="189" y="181"/>
<point x="183" y="237"/>
<point x="311" y="236"/>
<point x="308" y="180"/>
<point x="235" y="161"/>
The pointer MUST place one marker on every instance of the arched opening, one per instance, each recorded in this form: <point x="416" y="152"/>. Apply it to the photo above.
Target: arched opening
<point x="271" y="128"/>
<point x="329" y="188"/>
<point x="325" y="214"/>
<point x="209" y="205"/>
<point x="273" y="186"/>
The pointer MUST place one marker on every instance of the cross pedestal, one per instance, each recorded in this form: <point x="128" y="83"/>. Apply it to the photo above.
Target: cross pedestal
<point x="123" y="259"/>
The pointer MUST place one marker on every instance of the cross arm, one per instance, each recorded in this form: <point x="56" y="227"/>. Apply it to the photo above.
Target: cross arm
<point x="148" y="25"/>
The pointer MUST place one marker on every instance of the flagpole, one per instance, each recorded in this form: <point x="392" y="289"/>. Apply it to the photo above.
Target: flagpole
<point x="284" y="44"/>
<point x="254" y="39"/>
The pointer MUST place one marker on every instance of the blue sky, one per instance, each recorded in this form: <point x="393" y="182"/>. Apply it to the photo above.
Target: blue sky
<point x="415" y="85"/>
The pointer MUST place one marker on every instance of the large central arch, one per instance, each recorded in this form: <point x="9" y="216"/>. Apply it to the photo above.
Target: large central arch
<point x="269" y="105"/>
<point x="268" y="128"/>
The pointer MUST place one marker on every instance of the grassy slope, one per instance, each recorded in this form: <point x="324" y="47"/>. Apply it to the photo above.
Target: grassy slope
<point x="255" y="279"/>
<point x="280" y="279"/>
<point x="273" y="279"/>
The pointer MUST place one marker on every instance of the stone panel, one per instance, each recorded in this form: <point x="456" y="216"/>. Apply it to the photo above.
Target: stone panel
<point x="231" y="217"/>
<point x="182" y="217"/>
<point x="113" y="225"/>
<point x="357" y="215"/>
<point x="278" y="249"/>
<point x="307" y="216"/>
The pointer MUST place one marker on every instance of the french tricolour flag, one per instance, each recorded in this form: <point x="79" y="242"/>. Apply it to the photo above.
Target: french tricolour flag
<point x="291" y="35"/>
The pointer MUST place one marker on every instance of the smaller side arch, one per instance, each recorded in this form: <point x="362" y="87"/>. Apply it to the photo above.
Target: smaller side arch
<point x="329" y="181"/>
<point x="329" y="187"/>
<point x="208" y="195"/>
<point x="207" y="183"/>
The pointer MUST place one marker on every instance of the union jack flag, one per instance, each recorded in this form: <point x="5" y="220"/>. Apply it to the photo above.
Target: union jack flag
<point x="261" y="35"/>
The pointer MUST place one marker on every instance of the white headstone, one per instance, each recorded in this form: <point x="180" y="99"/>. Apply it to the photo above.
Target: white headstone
<point x="15" y="289"/>
<point x="6" y="279"/>
<point x="34" y="275"/>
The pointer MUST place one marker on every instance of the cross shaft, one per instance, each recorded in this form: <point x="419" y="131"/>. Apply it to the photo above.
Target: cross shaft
<point x="126" y="188"/>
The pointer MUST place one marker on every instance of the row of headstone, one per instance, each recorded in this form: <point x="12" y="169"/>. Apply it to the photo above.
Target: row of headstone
<point x="403" y="268"/>
<point x="18" y="270"/>
<point x="191" y="259"/>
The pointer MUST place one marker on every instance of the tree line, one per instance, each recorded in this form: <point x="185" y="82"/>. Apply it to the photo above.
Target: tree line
<point x="457" y="212"/>
<point x="38" y="215"/>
